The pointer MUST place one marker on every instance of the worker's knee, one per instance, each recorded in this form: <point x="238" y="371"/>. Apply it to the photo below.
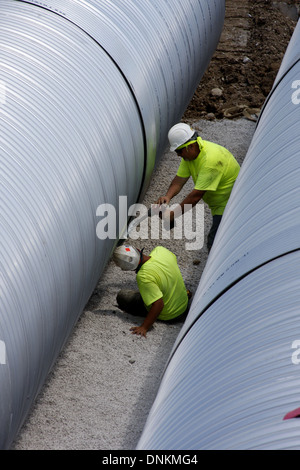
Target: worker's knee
<point x="131" y="301"/>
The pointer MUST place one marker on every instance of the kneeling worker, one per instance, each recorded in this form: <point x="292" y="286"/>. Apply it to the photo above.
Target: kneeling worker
<point x="162" y="293"/>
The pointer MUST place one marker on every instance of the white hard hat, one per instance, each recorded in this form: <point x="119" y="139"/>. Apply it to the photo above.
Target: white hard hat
<point x="126" y="257"/>
<point x="179" y="134"/>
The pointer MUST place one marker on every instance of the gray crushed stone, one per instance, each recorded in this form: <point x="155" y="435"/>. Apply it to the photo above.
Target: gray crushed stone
<point x="101" y="389"/>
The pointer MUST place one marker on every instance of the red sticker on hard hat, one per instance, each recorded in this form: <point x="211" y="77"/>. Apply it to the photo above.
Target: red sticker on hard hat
<point x="127" y="249"/>
<point x="293" y="414"/>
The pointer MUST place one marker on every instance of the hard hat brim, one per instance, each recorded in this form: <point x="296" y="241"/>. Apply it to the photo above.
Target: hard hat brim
<point x="173" y="148"/>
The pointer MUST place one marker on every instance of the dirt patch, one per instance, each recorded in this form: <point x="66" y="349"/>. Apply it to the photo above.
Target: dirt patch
<point x="242" y="71"/>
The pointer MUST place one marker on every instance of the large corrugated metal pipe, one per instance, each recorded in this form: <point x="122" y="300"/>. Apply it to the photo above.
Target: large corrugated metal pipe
<point x="233" y="377"/>
<point x="88" y="92"/>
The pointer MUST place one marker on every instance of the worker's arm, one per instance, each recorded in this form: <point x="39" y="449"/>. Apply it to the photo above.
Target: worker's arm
<point x="153" y="313"/>
<point x="189" y="201"/>
<point x="175" y="187"/>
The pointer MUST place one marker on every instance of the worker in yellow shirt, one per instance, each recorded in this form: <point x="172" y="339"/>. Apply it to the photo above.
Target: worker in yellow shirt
<point x="162" y="294"/>
<point x="213" y="169"/>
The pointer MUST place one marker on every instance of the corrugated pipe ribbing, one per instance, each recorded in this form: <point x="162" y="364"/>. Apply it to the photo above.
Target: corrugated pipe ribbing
<point x="88" y="92"/>
<point x="233" y="377"/>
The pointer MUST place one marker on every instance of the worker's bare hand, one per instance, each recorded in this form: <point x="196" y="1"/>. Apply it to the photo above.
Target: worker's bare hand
<point x="167" y="215"/>
<point x="163" y="200"/>
<point x="155" y="209"/>
<point x="139" y="330"/>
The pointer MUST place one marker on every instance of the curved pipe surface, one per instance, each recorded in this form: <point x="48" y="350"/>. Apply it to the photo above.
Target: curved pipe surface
<point x="88" y="91"/>
<point x="233" y="374"/>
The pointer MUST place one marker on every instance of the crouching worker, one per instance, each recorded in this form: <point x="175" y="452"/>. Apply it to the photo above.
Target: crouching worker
<point x="162" y="294"/>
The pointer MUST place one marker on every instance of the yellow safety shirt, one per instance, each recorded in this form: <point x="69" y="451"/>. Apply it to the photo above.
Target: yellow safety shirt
<point x="159" y="277"/>
<point x="214" y="171"/>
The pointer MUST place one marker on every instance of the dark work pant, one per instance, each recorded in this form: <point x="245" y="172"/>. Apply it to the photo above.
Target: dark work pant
<point x="212" y="233"/>
<point x="131" y="301"/>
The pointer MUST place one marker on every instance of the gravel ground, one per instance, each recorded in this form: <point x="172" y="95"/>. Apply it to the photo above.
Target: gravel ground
<point x="100" y="391"/>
